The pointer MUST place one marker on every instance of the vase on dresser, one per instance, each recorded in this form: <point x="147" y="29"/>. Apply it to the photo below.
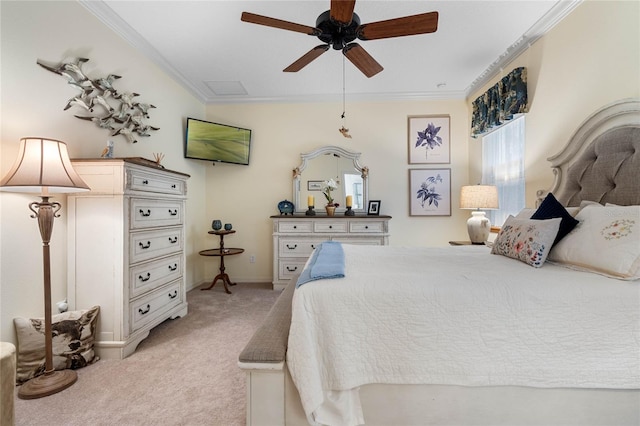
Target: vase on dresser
<point x="331" y="210"/>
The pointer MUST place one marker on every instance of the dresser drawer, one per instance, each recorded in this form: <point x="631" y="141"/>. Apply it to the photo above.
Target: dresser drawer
<point x="295" y="226"/>
<point x="146" y="245"/>
<point x="330" y="226"/>
<point x="154" y="305"/>
<point x="147" y="276"/>
<point x="143" y="180"/>
<point x="298" y="247"/>
<point x="146" y="213"/>
<point x="289" y="267"/>
<point x="367" y="226"/>
<point x="365" y="241"/>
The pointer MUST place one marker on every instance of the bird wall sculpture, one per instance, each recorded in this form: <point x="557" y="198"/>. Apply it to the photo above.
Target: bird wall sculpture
<point x="118" y="112"/>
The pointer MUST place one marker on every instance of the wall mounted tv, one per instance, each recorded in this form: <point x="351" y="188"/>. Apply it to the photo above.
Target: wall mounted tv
<point x="217" y="142"/>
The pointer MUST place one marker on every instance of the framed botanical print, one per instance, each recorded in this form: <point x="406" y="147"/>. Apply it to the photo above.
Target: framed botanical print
<point x="429" y="192"/>
<point x="429" y="139"/>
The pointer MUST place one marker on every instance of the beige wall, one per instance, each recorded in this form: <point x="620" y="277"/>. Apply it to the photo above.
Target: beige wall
<point x="32" y="105"/>
<point x="247" y="196"/>
<point x="590" y="59"/>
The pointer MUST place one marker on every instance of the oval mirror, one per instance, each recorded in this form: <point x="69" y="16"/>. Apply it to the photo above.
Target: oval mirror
<point x="330" y="162"/>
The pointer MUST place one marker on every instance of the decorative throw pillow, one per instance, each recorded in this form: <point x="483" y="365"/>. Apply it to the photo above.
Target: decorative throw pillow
<point x="73" y="337"/>
<point x="606" y="241"/>
<point x="526" y="240"/>
<point x="551" y="208"/>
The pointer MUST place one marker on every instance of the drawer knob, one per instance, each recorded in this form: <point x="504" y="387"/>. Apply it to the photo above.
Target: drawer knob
<point x="145" y="214"/>
<point x="144" y="247"/>
<point x="144" y="311"/>
<point x="173" y="295"/>
<point x="173" y="212"/>
<point x="143" y="279"/>
<point x="313" y="246"/>
<point x="295" y="268"/>
<point x="292" y="248"/>
<point x="366" y="227"/>
<point x="174" y="267"/>
<point x="330" y="227"/>
<point x="295" y="226"/>
<point x="173" y="186"/>
<point x="173" y="240"/>
<point x="145" y="182"/>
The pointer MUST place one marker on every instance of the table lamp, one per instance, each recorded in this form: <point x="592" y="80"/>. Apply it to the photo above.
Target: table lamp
<point x="478" y="198"/>
<point x="43" y="166"/>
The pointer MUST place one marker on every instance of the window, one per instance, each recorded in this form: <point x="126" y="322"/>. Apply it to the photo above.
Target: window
<point x="503" y="166"/>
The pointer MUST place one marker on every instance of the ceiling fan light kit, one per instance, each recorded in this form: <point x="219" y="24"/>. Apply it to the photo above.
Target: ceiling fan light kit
<point x="339" y="26"/>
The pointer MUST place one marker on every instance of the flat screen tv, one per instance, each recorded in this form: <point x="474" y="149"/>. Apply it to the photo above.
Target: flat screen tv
<point x="217" y="142"/>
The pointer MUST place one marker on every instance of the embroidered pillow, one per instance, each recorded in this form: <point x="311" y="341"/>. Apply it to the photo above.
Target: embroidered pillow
<point x="551" y="208"/>
<point x="526" y="240"/>
<point x="606" y="241"/>
<point x="73" y="338"/>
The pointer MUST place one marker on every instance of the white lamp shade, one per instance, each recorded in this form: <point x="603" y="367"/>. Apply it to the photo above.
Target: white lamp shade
<point x="481" y="197"/>
<point x="42" y="166"/>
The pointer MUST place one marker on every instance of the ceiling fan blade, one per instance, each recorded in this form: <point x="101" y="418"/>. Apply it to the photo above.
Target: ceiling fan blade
<point x="342" y="11"/>
<point x="409" y="25"/>
<point x="307" y="58"/>
<point x="361" y="59"/>
<point x="279" y="23"/>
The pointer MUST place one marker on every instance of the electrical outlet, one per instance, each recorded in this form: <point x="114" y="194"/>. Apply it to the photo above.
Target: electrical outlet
<point x="252" y="259"/>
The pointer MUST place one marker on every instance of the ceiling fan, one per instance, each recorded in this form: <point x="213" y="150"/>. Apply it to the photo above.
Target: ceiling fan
<point x="340" y="26"/>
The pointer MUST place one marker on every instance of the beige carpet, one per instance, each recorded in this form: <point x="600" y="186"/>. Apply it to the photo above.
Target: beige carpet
<point x="184" y="373"/>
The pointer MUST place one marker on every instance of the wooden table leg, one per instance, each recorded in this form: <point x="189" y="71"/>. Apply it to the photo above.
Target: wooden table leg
<point x="221" y="276"/>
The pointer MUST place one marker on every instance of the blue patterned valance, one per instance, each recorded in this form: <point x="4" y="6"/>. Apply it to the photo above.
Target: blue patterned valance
<point x="500" y="103"/>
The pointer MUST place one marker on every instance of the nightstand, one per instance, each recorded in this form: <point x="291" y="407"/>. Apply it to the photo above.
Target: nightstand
<point x="465" y="243"/>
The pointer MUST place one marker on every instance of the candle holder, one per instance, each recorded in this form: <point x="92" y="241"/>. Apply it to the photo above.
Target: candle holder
<point x="310" y="212"/>
<point x="349" y="212"/>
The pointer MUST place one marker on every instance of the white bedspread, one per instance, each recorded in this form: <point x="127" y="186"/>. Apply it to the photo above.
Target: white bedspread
<point x="457" y="315"/>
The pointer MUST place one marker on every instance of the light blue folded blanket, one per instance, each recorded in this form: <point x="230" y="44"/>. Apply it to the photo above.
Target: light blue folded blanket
<point x="327" y="261"/>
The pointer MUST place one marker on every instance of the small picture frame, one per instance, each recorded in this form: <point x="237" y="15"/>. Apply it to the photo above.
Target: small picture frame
<point x="314" y="185"/>
<point x="374" y="208"/>
<point x="428" y="139"/>
<point x="430" y="192"/>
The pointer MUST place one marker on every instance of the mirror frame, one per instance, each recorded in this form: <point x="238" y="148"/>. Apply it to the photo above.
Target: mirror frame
<point x="353" y="156"/>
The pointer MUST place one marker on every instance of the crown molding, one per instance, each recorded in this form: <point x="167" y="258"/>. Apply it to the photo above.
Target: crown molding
<point x="539" y="29"/>
<point x="113" y="21"/>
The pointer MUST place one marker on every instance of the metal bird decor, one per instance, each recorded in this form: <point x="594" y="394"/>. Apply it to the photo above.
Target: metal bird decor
<point x="118" y="112"/>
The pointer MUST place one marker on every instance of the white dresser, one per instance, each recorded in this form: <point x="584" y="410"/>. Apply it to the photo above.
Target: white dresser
<point x="295" y="237"/>
<point x="126" y="249"/>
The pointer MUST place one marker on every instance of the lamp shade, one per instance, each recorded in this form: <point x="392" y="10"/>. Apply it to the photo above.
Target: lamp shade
<point x="42" y="166"/>
<point x="483" y="197"/>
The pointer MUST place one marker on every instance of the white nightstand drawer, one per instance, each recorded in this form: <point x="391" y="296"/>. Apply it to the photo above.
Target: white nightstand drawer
<point x="367" y="226"/>
<point x="330" y="226"/>
<point x="142" y="180"/>
<point x="146" y="213"/>
<point x="149" y="244"/>
<point x="153" y="305"/>
<point x="150" y="275"/>
<point x="290" y="267"/>
<point x="298" y="247"/>
<point x="293" y="227"/>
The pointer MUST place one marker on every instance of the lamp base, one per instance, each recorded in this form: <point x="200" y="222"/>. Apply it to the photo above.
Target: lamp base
<point x="478" y="227"/>
<point x="47" y="384"/>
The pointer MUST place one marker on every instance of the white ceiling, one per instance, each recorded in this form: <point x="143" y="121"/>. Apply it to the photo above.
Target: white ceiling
<point x="206" y="48"/>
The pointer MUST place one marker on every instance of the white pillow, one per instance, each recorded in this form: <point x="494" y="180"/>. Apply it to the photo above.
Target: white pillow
<point x="526" y="240"/>
<point x="606" y="241"/>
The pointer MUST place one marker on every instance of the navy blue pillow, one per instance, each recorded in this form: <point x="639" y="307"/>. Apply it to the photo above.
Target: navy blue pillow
<point x="551" y="208"/>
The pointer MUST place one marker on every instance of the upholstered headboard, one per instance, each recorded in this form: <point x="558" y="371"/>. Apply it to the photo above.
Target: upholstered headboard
<point x="601" y="162"/>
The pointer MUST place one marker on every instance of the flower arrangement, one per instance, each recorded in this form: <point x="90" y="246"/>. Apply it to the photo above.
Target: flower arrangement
<point x="327" y="187"/>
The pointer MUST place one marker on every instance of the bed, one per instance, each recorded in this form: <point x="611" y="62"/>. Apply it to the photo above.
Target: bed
<point x="449" y="340"/>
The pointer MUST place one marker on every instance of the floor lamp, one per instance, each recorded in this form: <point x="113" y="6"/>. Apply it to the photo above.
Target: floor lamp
<point x="43" y="166"/>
